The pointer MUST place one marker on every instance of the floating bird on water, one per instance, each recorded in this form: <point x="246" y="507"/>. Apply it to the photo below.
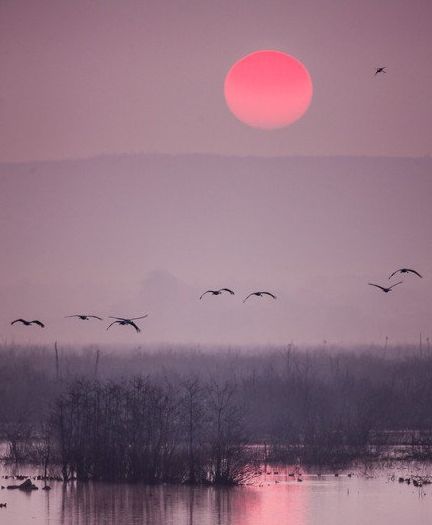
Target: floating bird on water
<point x="124" y="322"/>
<point x="380" y="70"/>
<point x="85" y="317"/>
<point x="259" y="294"/>
<point x="218" y="292"/>
<point x="28" y="323"/>
<point x="383" y="288"/>
<point x="405" y="270"/>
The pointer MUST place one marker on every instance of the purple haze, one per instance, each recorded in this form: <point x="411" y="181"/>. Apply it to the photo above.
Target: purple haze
<point x="129" y="235"/>
<point x="129" y="231"/>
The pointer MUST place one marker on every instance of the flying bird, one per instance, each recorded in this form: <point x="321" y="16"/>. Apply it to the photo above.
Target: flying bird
<point x="405" y="270"/>
<point x="28" y="323"/>
<point x="383" y="288"/>
<point x="259" y="294"/>
<point x="380" y="70"/>
<point x="124" y="322"/>
<point x="218" y="292"/>
<point x="84" y="317"/>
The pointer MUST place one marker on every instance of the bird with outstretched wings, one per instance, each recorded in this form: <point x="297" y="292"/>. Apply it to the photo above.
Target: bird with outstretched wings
<point x="28" y="323"/>
<point x="405" y="270"/>
<point x="384" y="288"/>
<point x="124" y="321"/>
<point x="84" y="317"/>
<point x="218" y="292"/>
<point x="259" y="294"/>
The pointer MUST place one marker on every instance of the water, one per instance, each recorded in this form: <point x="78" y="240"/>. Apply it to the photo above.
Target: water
<point x="275" y="499"/>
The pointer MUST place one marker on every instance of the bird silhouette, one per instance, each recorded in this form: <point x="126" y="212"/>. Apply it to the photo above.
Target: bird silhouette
<point x="28" y="323"/>
<point x="124" y="321"/>
<point x="383" y="288"/>
<point x="405" y="270"/>
<point x="84" y="317"/>
<point x="380" y="70"/>
<point x="218" y="292"/>
<point x="259" y="294"/>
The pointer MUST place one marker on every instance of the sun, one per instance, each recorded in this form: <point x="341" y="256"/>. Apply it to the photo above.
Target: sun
<point x="268" y="89"/>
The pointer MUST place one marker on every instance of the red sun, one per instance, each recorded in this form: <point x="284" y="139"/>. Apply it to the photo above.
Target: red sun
<point x="268" y="89"/>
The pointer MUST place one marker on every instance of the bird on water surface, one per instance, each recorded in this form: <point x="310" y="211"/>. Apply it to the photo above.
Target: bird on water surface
<point x="125" y="322"/>
<point x="259" y="294"/>
<point x="385" y="289"/>
<point x="218" y="292"/>
<point x="28" y="323"/>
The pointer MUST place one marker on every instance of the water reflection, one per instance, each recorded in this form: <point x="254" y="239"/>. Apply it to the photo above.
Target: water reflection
<point x="276" y="500"/>
<point x="112" y="503"/>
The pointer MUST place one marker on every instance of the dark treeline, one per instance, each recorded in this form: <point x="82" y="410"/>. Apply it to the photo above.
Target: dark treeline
<point x="195" y="416"/>
<point x="141" y="431"/>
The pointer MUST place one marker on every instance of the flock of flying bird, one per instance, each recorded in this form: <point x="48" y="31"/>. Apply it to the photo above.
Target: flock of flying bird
<point x="387" y="289"/>
<point x="124" y="321"/>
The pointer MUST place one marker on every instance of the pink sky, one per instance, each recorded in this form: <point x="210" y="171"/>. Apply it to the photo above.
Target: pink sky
<point x="123" y="234"/>
<point x="129" y="235"/>
<point x="88" y="77"/>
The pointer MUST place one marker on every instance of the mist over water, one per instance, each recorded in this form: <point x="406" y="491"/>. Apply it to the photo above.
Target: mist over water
<point x="326" y="500"/>
<point x="135" y="188"/>
<point x="322" y="375"/>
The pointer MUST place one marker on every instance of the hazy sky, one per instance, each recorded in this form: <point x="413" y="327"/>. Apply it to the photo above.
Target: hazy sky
<point x="130" y="235"/>
<point x="84" y="77"/>
<point x="123" y="234"/>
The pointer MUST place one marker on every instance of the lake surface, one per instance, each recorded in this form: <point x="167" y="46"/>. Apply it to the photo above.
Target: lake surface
<point x="368" y="497"/>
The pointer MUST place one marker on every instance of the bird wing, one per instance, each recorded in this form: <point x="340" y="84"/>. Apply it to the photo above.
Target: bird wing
<point x="66" y="316"/>
<point x="413" y="271"/>
<point x="114" y="322"/>
<point x="268" y="293"/>
<point x="135" y="326"/>
<point x="18" y="321"/>
<point x="95" y="317"/>
<point x="136" y="318"/>
<point x="393" y="285"/>
<point x="246" y="298"/>
<point x="227" y="290"/>
<point x="124" y="318"/>
<point x="394" y="273"/>
<point x="378" y="286"/>
<point x="38" y="323"/>
<point x="208" y="291"/>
